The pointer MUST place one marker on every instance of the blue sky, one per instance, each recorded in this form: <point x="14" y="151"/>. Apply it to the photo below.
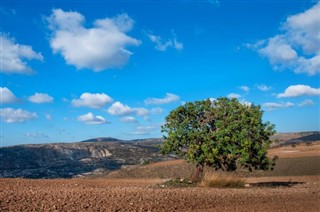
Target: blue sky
<point x="75" y="70"/>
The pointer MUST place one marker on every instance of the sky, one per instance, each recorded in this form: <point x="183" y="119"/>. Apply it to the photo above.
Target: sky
<point x="74" y="70"/>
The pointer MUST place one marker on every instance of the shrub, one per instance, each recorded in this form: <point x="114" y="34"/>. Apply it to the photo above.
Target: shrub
<point x="219" y="180"/>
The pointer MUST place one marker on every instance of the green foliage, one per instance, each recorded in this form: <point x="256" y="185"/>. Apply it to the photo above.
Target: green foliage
<point x="223" y="134"/>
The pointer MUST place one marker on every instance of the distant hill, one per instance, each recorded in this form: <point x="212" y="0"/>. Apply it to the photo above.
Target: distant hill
<point x="282" y="139"/>
<point x="102" y="139"/>
<point x="66" y="160"/>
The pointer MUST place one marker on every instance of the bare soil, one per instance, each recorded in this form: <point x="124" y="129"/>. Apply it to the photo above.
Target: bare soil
<point x="264" y="193"/>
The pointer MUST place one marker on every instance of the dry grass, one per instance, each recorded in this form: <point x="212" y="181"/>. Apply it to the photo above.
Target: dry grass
<point x="222" y="180"/>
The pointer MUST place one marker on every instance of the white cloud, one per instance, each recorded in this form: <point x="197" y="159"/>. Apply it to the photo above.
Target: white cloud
<point x="40" y="98"/>
<point x="89" y="118"/>
<point x="297" y="48"/>
<point x="233" y="95"/>
<point x="118" y="108"/>
<point x="263" y="87"/>
<point x="48" y="116"/>
<point x="92" y="100"/>
<point x="36" y="135"/>
<point x="140" y="111"/>
<point x="6" y="96"/>
<point x="156" y="110"/>
<point x="246" y="103"/>
<point x="299" y="90"/>
<point x="303" y="29"/>
<point x="273" y="106"/>
<point x="98" y="48"/>
<point x="128" y="119"/>
<point x="244" y="88"/>
<point x="169" y="98"/>
<point x="306" y="102"/>
<point x="145" y="130"/>
<point x="162" y="45"/>
<point x="13" y="56"/>
<point x="10" y="115"/>
<point x="279" y="52"/>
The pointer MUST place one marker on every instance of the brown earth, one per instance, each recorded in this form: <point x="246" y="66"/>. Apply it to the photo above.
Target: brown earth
<point x="301" y="150"/>
<point x="274" y="192"/>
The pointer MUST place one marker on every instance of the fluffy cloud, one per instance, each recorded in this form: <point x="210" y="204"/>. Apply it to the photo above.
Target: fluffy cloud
<point x="163" y="45"/>
<point x="13" y="56"/>
<point x="118" y="108"/>
<point x="36" y="135"/>
<point x="272" y="105"/>
<point x="40" y="98"/>
<point x="10" y="115"/>
<point x="89" y="118"/>
<point x="299" y="90"/>
<point x="92" y="100"/>
<point x="263" y="87"/>
<point x="233" y="95"/>
<point x="169" y="98"/>
<point x="244" y="88"/>
<point x="7" y="96"/>
<point x="98" y="48"/>
<point x="128" y="119"/>
<point x="306" y="102"/>
<point x="297" y="48"/>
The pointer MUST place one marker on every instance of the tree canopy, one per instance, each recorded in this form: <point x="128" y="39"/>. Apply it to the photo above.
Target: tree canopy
<point x="224" y="134"/>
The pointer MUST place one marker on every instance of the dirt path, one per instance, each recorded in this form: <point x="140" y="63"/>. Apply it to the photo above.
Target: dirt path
<point x="144" y="195"/>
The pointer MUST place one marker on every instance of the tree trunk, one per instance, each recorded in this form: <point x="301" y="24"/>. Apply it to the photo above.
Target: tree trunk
<point x="196" y="176"/>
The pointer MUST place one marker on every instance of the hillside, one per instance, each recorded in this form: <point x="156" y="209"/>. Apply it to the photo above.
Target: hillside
<point x="98" y="156"/>
<point x="282" y="139"/>
<point x="73" y="159"/>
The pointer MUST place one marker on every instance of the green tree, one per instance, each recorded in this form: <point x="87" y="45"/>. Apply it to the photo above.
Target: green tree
<point x="224" y="134"/>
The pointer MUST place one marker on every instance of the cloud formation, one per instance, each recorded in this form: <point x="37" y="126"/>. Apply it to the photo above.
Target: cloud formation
<point x="244" y="88"/>
<point x="92" y="100"/>
<point x="299" y="90"/>
<point x="13" y="56"/>
<point x="10" y="115"/>
<point x="89" y="118"/>
<point x="163" y="45"/>
<point x="298" y="46"/>
<point x="145" y="130"/>
<point x="7" y="96"/>
<point x="40" y="98"/>
<point x="263" y="87"/>
<point x="273" y="106"/>
<point x="307" y="102"/>
<point x="101" y="47"/>
<point x="233" y="95"/>
<point x="36" y="135"/>
<point x="169" y="98"/>
<point x="118" y="108"/>
<point x="128" y="119"/>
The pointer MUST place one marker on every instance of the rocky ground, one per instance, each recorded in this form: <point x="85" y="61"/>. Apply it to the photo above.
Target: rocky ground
<point x="265" y="193"/>
<point x="301" y="194"/>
